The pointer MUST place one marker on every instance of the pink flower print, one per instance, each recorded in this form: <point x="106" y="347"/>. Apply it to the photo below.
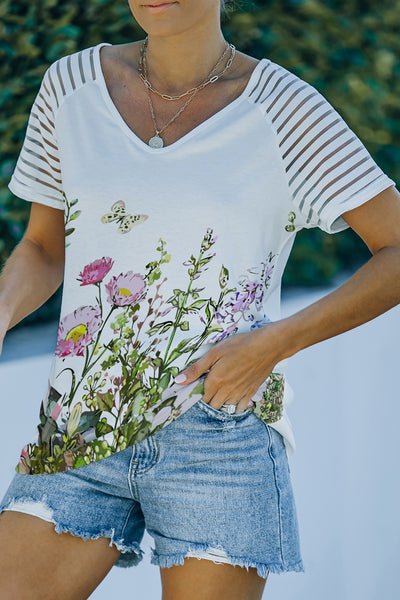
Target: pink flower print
<point x="22" y="462"/>
<point x="96" y="271"/>
<point x="55" y="413"/>
<point x="76" y="331"/>
<point x="125" y="289"/>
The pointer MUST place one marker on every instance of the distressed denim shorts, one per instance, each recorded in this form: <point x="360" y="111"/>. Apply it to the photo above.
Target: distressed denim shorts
<point x="210" y="485"/>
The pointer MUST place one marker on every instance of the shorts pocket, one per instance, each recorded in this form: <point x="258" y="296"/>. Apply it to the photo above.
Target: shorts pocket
<point x="220" y="415"/>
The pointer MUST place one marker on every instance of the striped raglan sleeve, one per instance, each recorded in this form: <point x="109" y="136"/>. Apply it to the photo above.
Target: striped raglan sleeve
<point x="328" y="169"/>
<point x="37" y="173"/>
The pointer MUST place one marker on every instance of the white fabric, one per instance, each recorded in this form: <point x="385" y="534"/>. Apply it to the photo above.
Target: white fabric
<point x="279" y="147"/>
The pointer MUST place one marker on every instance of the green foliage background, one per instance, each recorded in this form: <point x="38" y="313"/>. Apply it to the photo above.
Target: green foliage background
<point x="349" y="50"/>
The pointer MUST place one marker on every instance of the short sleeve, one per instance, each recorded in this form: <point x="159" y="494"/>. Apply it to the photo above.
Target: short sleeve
<point x="328" y="169"/>
<point x="37" y="173"/>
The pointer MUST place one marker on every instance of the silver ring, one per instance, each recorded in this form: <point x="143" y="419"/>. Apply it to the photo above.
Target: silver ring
<point x="229" y="408"/>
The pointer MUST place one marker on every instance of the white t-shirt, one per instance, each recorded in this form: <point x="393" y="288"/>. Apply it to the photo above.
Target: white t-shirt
<point x="170" y="250"/>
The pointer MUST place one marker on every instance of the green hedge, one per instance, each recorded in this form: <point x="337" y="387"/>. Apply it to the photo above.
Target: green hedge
<point x="349" y="50"/>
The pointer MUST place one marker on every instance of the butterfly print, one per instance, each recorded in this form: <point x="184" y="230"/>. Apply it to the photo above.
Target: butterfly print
<point x="126" y="222"/>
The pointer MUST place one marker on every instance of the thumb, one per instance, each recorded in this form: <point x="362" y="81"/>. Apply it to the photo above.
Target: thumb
<point x="195" y="370"/>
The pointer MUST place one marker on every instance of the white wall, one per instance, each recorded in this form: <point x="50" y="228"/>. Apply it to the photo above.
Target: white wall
<point x="345" y="471"/>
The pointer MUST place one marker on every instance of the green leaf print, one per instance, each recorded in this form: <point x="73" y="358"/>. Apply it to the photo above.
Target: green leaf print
<point x="103" y="427"/>
<point x="104" y="401"/>
<point x="223" y="277"/>
<point x="122" y="378"/>
<point x="68" y="216"/>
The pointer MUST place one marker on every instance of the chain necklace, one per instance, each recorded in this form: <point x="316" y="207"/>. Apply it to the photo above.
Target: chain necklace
<point x="143" y="72"/>
<point x="157" y="141"/>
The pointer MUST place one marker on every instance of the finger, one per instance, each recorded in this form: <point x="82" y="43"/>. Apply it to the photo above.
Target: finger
<point x="242" y="405"/>
<point x="246" y="401"/>
<point x="195" y="370"/>
<point x="239" y="402"/>
<point x="209" y="389"/>
<point x="225" y="396"/>
<point x="218" y="400"/>
<point x="215" y="395"/>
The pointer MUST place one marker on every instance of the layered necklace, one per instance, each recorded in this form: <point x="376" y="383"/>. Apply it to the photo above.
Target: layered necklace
<point x="157" y="141"/>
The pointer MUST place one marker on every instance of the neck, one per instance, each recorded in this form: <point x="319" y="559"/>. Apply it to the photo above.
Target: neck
<point x="178" y="63"/>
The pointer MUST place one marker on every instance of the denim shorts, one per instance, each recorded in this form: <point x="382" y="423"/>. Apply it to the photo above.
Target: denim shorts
<point x="210" y="485"/>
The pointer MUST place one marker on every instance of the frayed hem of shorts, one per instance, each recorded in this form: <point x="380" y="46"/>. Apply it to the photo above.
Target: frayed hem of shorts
<point x="263" y="569"/>
<point x="131" y="554"/>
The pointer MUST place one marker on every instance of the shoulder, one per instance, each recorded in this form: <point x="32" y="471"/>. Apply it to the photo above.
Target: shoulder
<point x="71" y="72"/>
<point x="288" y="101"/>
<point x="276" y="83"/>
<point x="243" y="65"/>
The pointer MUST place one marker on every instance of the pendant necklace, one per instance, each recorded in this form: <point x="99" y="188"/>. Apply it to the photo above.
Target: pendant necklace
<point x="157" y="141"/>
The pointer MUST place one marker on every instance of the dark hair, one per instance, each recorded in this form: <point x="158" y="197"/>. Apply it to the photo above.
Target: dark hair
<point x="227" y="6"/>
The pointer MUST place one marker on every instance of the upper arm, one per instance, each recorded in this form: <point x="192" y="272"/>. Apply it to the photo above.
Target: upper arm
<point x="328" y="169"/>
<point x="377" y="221"/>
<point x="37" y="174"/>
<point x="46" y="229"/>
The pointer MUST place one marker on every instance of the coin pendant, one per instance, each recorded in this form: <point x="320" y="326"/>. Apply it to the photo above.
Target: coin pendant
<point x="156" y="142"/>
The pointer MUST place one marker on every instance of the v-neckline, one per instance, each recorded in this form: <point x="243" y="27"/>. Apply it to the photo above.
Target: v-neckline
<point x="132" y="135"/>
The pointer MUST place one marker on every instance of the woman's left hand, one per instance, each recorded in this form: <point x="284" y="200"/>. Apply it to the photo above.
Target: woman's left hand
<point x="238" y="366"/>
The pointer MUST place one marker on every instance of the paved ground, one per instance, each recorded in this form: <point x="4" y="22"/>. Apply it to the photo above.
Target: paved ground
<point x="345" y="471"/>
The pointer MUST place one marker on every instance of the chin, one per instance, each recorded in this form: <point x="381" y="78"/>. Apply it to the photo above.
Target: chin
<point x="173" y="21"/>
<point x="161" y="29"/>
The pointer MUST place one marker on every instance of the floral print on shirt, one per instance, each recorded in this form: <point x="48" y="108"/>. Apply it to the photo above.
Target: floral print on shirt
<point x="123" y="390"/>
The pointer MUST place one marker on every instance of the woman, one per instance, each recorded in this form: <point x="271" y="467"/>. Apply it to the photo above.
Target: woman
<point x="179" y="171"/>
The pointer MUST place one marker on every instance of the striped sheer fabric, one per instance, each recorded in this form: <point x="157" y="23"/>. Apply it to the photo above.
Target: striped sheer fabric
<point x="328" y="169"/>
<point x="37" y="174"/>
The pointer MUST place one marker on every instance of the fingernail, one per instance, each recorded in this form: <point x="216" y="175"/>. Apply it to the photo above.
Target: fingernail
<point x="180" y="378"/>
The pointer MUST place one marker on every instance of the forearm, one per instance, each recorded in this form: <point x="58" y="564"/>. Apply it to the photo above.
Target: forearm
<point x="28" y="279"/>
<point x="371" y="291"/>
